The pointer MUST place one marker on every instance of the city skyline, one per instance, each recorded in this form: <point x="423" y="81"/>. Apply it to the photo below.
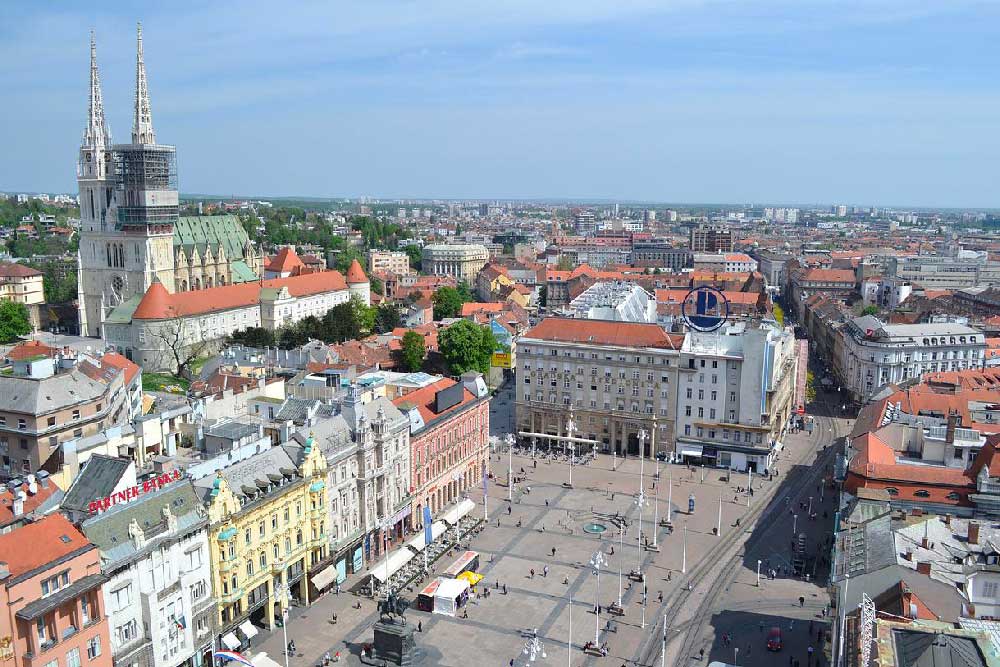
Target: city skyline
<point x="688" y="102"/>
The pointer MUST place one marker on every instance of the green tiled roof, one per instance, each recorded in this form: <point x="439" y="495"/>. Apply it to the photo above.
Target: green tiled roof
<point x="123" y="313"/>
<point x="199" y="231"/>
<point x="241" y="273"/>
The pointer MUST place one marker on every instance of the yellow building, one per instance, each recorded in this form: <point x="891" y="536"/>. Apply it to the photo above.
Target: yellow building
<point x="267" y="531"/>
<point x="21" y="284"/>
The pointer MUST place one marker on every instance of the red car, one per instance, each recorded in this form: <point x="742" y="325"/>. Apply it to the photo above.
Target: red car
<point x="774" y="639"/>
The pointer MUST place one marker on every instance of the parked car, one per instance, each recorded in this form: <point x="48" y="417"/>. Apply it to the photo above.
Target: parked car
<point x="774" y="639"/>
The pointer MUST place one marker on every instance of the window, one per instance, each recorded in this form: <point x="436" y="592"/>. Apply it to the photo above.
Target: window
<point x="922" y="493"/>
<point x="121" y="597"/>
<point x="193" y="559"/>
<point x="21" y="424"/>
<point x="76" y="414"/>
<point x="199" y="590"/>
<point x="42" y="630"/>
<point x="94" y="647"/>
<point x="892" y="491"/>
<point x="87" y="609"/>
<point x="53" y="584"/>
<point x="51" y="421"/>
<point x="990" y="589"/>
<point x="954" y="495"/>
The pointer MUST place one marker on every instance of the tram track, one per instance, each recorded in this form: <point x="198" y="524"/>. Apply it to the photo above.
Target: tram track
<point x="724" y="568"/>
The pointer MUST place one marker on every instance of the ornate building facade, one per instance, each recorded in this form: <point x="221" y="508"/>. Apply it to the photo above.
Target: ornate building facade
<point x="130" y="230"/>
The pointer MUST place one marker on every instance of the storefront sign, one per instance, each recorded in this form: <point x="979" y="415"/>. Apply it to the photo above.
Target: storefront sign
<point x="500" y="360"/>
<point x="133" y="492"/>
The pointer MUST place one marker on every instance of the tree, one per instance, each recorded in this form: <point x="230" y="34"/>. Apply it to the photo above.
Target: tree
<point x="465" y="292"/>
<point x="13" y="321"/>
<point x="378" y="287"/>
<point x="412" y="351"/>
<point x="565" y="263"/>
<point x="870" y="310"/>
<point x="810" y="387"/>
<point x="387" y="318"/>
<point x="779" y="315"/>
<point x="543" y="296"/>
<point x="447" y="303"/>
<point x="345" y="257"/>
<point x="253" y="337"/>
<point x="173" y="337"/>
<point x="467" y="346"/>
<point x="415" y="254"/>
<point x="340" y="323"/>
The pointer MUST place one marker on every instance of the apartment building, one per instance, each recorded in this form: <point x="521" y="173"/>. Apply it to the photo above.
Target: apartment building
<point x="876" y="354"/>
<point x="735" y="395"/>
<point x="158" y="593"/>
<point x="460" y="261"/>
<point x="47" y="400"/>
<point x="618" y="378"/>
<point x="21" y="284"/>
<point x="388" y="261"/>
<point x="449" y="440"/>
<point x="724" y="262"/>
<point x="51" y="592"/>
<point x="708" y="238"/>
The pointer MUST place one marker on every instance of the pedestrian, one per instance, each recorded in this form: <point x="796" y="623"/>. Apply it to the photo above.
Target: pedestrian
<point x="545" y="571"/>
<point x="802" y="601"/>
<point x="701" y="654"/>
<point x="326" y="658"/>
<point x="338" y="589"/>
<point x="553" y="551"/>
<point x="420" y="626"/>
<point x="508" y="510"/>
<point x="532" y="573"/>
<point x="659" y="596"/>
<point x="498" y="523"/>
<point x="612" y="550"/>
<point x="546" y="502"/>
<point x="505" y="589"/>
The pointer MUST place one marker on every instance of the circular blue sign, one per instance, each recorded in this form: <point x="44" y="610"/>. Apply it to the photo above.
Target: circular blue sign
<point x="705" y="308"/>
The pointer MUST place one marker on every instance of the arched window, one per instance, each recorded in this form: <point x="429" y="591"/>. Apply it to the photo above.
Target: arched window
<point x="107" y="247"/>
<point x="892" y="491"/>
<point x="954" y="495"/>
<point x="184" y="286"/>
<point x="922" y="493"/>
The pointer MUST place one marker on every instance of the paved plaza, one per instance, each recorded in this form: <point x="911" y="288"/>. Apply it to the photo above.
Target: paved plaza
<point x="546" y="515"/>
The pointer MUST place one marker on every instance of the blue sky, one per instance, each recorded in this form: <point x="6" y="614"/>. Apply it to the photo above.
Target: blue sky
<point x="890" y="102"/>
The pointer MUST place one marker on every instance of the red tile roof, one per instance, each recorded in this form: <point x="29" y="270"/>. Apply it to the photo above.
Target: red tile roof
<point x="600" y="332"/>
<point x="31" y="501"/>
<point x="118" y="361"/>
<point x="15" y="270"/>
<point x="51" y="538"/>
<point x="31" y="349"/>
<point x="423" y="399"/>
<point x="159" y="304"/>
<point x="491" y="307"/>
<point x="829" y="276"/>
<point x="286" y="261"/>
<point x="355" y="274"/>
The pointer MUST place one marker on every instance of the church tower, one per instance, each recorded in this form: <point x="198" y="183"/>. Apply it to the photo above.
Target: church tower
<point x="95" y="176"/>
<point x="130" y="243"/>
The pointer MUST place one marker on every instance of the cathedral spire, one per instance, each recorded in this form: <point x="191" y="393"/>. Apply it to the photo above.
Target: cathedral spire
<point x="97" y="134"/>
<point x="142" y="124"/>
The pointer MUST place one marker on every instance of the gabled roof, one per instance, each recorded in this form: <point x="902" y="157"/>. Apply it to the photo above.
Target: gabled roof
<point x="602" y="332"/>
<point x="31" y="349"/>
<point x="50" y="539"/>
<point x="286" y="261"/>
<point x="118" y="361"/>
<point x="15" y="270"/>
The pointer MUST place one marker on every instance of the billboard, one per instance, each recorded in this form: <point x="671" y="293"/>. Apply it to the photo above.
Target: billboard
<point x="500" y="360"/>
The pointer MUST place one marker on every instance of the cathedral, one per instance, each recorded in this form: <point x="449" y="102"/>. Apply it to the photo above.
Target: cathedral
<point x="131" y="234"/>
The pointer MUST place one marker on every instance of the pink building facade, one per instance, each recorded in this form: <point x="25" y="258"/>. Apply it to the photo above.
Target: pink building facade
<point x="53" y="611"/>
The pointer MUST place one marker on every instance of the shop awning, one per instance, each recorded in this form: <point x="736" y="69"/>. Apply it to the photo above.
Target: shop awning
<point x="691" y="450"/>
<point x="230" y="641"/>
<point x="452" y="516"/>
<point x="392" y="563"/>
<point x="248" y="629"/>
<point x="263" y="660"/>
<point x="324" y="577"/>
<point x="417" y="541"/>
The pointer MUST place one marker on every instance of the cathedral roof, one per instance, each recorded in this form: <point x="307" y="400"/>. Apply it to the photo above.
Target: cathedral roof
<point x="159" y="304"/>
<point x="286" y="261"/>
<point x="355" y="274"/>
<point x="201" y="231"/>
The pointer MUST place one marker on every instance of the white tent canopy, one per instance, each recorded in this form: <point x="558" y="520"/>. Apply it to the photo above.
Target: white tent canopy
<point x="452" y="516"/>
<point x="263" y="660"/>
<point x="324" y="577"/>
<point x="417" y="541"/>
<point x="393" y="562"/>
<point x="447" y="594"/>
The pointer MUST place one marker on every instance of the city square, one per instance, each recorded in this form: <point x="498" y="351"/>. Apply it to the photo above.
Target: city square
<point x="536" y="556"/>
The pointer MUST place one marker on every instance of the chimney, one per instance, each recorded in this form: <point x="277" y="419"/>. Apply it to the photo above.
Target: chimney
<point x="973" y="532"/>
<point x="32" y="485"/>
<point x="924" y="567"/>
<point x="925" y="543"/>
<point x="947" y="519"/>
<point x="908" y="555"/>
<point x="43" y="478"/>
<point x="18" y="508"/>
<point x="953" y="420"/>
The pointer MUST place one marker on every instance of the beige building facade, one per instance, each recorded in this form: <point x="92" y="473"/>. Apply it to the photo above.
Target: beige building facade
<point x="461" y="261"/>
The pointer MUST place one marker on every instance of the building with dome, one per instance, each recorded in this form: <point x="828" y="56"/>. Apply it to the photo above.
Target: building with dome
<point x="131" y="233"/>
<point x="161" y="329"/>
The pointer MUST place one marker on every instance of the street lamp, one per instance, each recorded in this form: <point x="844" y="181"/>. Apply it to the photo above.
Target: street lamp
<point x="597" y="561"/>
<point x="758" y="572"/>
<point x="569" y="638"/>
<point x="642" y="457"/>
<point x="670" y="493"/>
<point x="810" y="505"/>
<point x="570" y="428"/>
<point x="749" y="483"/>
<point x="572" y="454"/>
<point x="282" y="593"/>
<point x="663" y="645"/>
<point x="795" y="522"/>
<point x="384" y="524"/>
<point x="656" y="507"/>
<point x="684" y="552"/>
<point x="621" y="557"/>
<point x="718" y="529"/>
<point x="640" y="503"/>
<point x="509" y="438"/>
